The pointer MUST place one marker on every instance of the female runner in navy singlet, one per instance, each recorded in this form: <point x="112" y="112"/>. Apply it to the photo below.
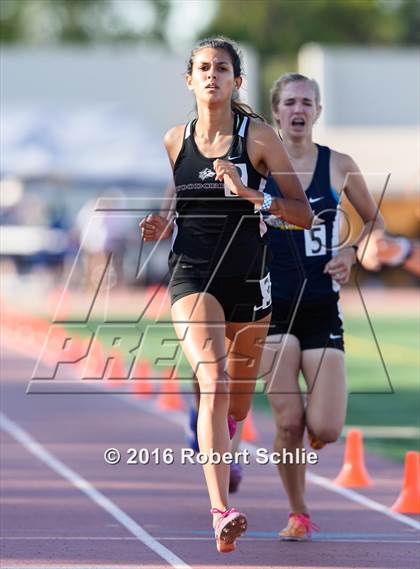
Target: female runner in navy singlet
<point x="220" y="285"/>
<point x="307" y="268"/>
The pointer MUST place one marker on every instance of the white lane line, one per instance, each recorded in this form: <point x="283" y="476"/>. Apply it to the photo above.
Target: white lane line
<point x="74" y="566"/>
<point x="180" y="418"/>
<point x="66" y="538"/>
<point x="87" y="488"/>
<point x="211" y="539"/>
<point x="386" y="432"/>
<point x="313" y="540"/>
<point x="363" y="500"/>
<point x="351" y="495"/>
<point x="243" y="539"/>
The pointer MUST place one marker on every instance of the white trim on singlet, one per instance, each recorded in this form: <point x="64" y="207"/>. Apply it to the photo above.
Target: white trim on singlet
<point x="262" y="226"/>
<point x="335" y="239"/>
<point x="188" y="130"/>
<point x="340" y="313"/>
<point x="241" y="131"/>
<point x="174" y="231"/>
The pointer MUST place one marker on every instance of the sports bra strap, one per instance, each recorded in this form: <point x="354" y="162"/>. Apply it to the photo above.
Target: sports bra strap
<point x="242" y="125"/>
<point x="187" y="130"/>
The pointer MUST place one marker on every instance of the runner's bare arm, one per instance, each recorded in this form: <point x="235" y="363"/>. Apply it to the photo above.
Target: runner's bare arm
<point x="268" y="154"/>
<point x="157" y="227"/>
<point x="357" y="192"/>
<point x="346" y="174"/>
<point x="173" y="142"/>
<point x="168" y="204"/>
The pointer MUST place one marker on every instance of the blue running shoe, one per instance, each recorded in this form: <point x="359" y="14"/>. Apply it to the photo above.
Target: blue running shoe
<point x="235" y="477"/>
<point x="192" y="438"/>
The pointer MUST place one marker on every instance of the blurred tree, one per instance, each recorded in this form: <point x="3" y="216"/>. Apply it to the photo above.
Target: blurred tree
<point x="278" y="28"/>
<point x="162" y="9"/>
<point x="408" y="14"/>
<point x="275" y="28"/>
<point x="283" y="26"/>
<point x="82" y="21"/>
<point x="272" y="26"/>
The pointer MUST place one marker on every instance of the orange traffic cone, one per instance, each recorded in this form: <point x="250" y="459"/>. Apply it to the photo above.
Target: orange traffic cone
<point x="142" y="386"/>
<point x="170" y="398"/>
<point x="353" y="473"/>
<point x="54" y="344"/>
<point x="95" y="363"/>
<point x="73" y="358"/>
<point x="76" y="351"/>
<point x="115" y="370"/>
<point x="249" y="432"/>
<point x="408" y="501"/>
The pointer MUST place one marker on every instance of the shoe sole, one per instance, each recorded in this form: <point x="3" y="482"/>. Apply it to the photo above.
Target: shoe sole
<point x="230" y="533"/>
<point x="283" y="538"/>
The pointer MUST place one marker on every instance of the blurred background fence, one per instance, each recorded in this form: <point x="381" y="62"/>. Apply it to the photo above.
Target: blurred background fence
<point x="89" y="87"/>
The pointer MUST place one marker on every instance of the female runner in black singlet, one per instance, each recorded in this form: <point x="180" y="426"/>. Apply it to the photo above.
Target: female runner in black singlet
<point x="220" y="285"/>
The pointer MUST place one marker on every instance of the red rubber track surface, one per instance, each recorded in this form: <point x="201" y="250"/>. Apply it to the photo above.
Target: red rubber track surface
<point x="49" y="523"/>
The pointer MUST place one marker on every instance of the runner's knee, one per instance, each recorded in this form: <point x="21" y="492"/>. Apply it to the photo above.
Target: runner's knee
<point x="214" y="393"/>
<point x="325" y="433"/>
<point x="238" y="411"/>
<point x="290" y="429"/>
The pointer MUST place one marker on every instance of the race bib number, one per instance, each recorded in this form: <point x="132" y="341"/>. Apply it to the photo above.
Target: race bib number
<point x="243" y="174"/>
<point x="265" y="287"/>
<point x="315" y="241"/>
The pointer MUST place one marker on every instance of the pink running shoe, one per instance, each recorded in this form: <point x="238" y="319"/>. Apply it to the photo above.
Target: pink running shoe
<point x="299" y="528"/>
<point x="231" y="426"/>
<point x="230" y="525"/>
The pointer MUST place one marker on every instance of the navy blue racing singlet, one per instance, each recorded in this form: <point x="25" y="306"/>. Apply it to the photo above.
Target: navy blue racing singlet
<point x="216" y="232"/>
<point x="299" y="254"/>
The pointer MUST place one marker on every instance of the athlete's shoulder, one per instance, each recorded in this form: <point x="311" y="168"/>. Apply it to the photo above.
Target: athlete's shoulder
<point x="262" y="131"/>
<point x="174" y="135"/>
<point x="342" y="162"/>
<point x="173" y="142"/>
<point x="263" y="139"/>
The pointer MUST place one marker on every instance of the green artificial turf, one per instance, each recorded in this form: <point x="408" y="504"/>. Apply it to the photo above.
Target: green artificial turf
<point x="383" y="373"/>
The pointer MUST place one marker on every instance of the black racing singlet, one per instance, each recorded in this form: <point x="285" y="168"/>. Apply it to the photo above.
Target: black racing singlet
<point x="216" y="232"/>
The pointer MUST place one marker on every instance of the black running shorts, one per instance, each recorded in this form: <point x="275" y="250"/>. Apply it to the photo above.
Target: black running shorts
<point x="317" y="323"/>
<point x="242" y="300"/>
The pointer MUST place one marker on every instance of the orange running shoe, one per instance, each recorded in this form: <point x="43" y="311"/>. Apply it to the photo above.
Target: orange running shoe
<point x="315" y="443"/>
<point x="299" y="528"/>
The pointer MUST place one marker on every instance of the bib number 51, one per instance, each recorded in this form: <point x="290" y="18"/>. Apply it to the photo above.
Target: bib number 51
<point x="315" y="241"/>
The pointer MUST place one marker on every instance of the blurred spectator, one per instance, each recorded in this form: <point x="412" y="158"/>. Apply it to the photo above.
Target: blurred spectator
<point x="11" y="193"/>
<point x="58" y="220"/>
<point x="103" y="238"/>
<point x="383" y="249"/>
<point x="35" y="236"/>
